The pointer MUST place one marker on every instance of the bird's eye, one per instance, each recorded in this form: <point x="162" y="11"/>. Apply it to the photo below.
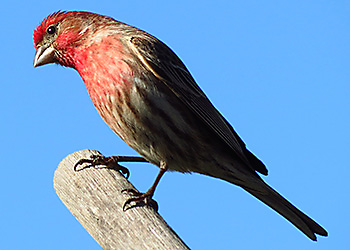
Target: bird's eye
<point x="51" y="30"/>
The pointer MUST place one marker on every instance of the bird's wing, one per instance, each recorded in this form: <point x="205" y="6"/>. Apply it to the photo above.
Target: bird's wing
<point x="165" y="65"/>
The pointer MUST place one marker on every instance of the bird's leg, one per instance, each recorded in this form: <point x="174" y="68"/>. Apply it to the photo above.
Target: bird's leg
<point x="111" y="162"/>
<point x="146" y="197"/>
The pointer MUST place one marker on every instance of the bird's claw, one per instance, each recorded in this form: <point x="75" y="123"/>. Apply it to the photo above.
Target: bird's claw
<point x="108" y="162"/>
<point x="139" y="199"/>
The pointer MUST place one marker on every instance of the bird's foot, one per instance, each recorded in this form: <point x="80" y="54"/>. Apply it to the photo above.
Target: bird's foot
<point x="139" y="199"/>
<point x="110" y="162"/>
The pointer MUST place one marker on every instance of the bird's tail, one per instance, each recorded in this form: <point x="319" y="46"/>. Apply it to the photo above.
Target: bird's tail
<point x="274" y="200"/>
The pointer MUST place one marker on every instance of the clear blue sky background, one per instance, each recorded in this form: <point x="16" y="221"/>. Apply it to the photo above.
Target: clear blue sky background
<point x="277" y="70"/>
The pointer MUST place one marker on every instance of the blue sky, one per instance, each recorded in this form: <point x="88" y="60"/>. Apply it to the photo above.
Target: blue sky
<point x="277" y="70"/>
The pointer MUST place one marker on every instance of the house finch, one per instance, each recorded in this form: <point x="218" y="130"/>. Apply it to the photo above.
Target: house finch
<point x="149" y="99"/>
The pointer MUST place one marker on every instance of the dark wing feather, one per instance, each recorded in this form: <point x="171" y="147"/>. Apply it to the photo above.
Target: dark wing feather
<point x="165" y="64"/>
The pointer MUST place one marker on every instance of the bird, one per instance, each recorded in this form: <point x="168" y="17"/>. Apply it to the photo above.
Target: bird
<point x="147" y="96"/>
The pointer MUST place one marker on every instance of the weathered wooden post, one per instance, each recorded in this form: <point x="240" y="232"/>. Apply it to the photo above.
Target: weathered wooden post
<point x="94" y="197"/>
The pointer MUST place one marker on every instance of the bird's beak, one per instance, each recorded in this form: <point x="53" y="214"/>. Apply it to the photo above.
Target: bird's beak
<point x="44" y="54"/>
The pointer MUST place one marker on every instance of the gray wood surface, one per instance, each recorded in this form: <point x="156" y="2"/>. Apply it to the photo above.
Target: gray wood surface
<point x="94" y="197"/>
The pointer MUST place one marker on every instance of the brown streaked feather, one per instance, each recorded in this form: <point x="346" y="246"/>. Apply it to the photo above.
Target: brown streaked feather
<point x="165" y="65"/>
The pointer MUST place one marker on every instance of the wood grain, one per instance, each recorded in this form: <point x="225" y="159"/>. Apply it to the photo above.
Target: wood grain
<point x="94" y="197"/>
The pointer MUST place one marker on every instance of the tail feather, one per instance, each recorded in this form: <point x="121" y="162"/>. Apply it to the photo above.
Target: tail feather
<point x="274" y="200"/>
